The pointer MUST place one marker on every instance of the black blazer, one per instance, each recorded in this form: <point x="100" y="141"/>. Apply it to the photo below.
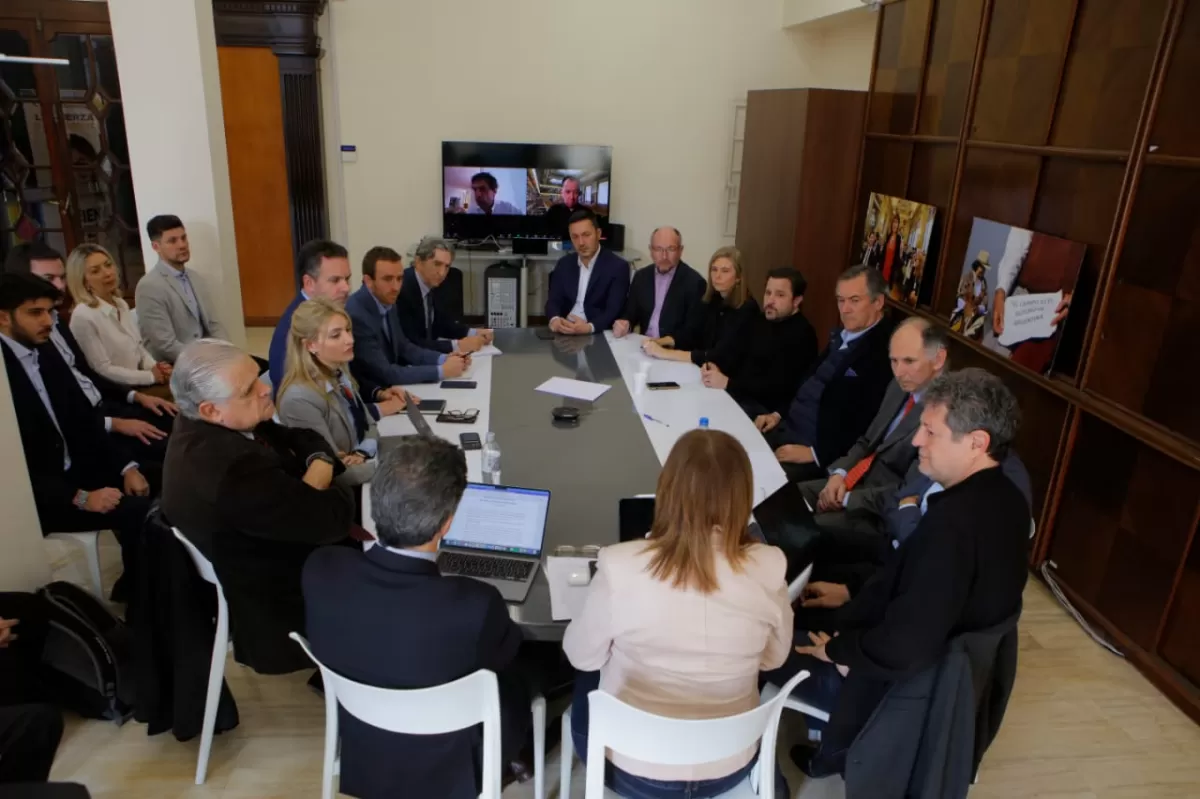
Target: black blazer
<point x="681" y="307"/>
<point x="411" y="310"/>
<point x="606" y="291"/>
<point x="721" y="335"/>
<point x="109" y="391"/>
<point x="95" y="462"/>
<point x="962" y="570"/>
<point x="852" y="396"/>
<point x="394" y="621"/>
<point x="244" y="504"/>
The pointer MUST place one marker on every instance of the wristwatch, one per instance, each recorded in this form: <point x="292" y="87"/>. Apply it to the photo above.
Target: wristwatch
<point x="81" y="498"/>
<point x="318" y="456"/>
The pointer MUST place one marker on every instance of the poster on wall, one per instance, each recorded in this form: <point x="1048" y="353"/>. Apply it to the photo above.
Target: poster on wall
<point x="899" y="241"/>
<point x="1015" y="291"/>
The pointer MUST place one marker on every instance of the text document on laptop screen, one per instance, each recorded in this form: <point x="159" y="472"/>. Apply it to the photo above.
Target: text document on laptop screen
<point x="500" y="519"/>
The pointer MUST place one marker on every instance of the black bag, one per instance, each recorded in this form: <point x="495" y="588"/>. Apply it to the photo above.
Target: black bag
<point x="88" y="656"/>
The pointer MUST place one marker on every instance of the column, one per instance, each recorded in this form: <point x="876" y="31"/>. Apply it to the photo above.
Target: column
<point x="167" y="61"/>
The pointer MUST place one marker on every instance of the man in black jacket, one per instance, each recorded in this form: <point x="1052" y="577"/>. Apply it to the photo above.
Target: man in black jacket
<point x="962" y="570"/>
<point x="663" y="301"/>
<point x="841" y="394"/>
<point x="387" y="617"/>
<point x="424" y="313"/>
<point x="80" y="480"/>
<point x="782" y="348"/>
<point x="253" y="496"/>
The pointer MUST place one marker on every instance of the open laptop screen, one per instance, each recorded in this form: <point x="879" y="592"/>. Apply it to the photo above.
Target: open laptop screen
<point x="500" y="519"/>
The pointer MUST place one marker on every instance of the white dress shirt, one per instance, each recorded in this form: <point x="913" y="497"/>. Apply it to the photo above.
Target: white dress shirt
<point x="585" y="276"/>
<point x="110" y="341"/>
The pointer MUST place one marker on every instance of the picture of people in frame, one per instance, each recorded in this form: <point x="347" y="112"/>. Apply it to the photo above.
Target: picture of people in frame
<point x="898" y="239"/>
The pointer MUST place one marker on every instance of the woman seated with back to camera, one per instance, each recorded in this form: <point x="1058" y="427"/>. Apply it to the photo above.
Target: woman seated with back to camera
<point x="318" y="393"/>
<point x="104" y="326"/>
<point x="727" y="311"/>
<point x="680" y="624"/>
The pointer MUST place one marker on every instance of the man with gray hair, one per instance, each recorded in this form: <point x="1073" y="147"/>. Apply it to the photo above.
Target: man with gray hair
<point x="387" y="617"/>
<point x="961" y="571"/>
<point x="424" y="308"/>
<point x="255" y="497"/>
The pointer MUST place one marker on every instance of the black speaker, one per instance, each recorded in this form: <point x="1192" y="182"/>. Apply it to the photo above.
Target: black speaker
<point x="614" y="236"/>
<point x="522" y="246"/>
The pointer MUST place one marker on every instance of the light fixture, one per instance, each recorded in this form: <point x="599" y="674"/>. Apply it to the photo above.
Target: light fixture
<point x="21" y="59"/>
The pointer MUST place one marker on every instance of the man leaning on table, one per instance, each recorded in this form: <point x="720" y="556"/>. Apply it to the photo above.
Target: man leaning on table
<point x="423" y="311"/>
<point x="587" y="287"/>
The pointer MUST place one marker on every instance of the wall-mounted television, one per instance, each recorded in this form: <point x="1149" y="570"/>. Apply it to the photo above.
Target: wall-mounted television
<point x="504" y="190"/>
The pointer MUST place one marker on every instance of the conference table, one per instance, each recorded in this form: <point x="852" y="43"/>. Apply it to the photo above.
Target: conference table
<point x="615" y="451"/>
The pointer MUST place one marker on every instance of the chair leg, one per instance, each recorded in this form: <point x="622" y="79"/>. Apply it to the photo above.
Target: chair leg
<point x="567" y="747"/>
<point x="216" y="676"/>
<point x="91" y="550"/>
<point x="539" y="747"/>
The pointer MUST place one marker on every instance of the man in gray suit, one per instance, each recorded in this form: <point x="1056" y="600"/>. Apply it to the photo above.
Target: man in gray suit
<point x="173" y="307"/>
<point x="851" y="505"/>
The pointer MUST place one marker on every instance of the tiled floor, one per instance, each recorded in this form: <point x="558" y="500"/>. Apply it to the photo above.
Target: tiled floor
<point x="1082" y="724"/>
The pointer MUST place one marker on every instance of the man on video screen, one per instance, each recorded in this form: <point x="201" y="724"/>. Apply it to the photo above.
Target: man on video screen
<point x="558" y="215"/>
<point x="484" y="186"/>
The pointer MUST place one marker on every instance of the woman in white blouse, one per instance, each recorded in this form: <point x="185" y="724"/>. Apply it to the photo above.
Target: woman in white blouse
<point x="680" y="624"/>
<point x="103" y="324"/>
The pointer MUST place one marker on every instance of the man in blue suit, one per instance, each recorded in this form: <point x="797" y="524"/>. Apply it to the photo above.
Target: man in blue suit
<point x="383" y="355"/>
<point x="322" y="270"/>
<point x="587" y="287"/>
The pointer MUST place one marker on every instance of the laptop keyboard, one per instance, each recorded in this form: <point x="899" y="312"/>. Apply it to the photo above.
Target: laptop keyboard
<point x="485" y="566"/>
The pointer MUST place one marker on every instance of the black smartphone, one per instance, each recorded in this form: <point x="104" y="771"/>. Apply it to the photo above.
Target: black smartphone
<point x="459" y="384"/>
<point x="456" y="417"/>
<point x="663" y="386"/>
<point x="427" y="406"/>
<point x="470" y="441"/>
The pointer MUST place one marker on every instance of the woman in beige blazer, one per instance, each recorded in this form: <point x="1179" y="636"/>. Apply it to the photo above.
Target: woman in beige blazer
<point x="318" y="393"/>
<point x="681" y="624"/>
<point x="103" y="324"/>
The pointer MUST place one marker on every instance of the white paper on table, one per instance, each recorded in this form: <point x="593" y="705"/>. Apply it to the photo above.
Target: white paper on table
<point x="488" y="351"/>
<point x="566" y="600"/>
<point x="575" y="389"/>
<point x="1028" y="316"/>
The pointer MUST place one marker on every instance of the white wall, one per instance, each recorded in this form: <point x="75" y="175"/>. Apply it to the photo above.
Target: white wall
<point x="656" y="79"/>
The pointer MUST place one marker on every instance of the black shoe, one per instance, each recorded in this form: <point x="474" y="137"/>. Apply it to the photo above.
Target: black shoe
<point x="808" y="759"/>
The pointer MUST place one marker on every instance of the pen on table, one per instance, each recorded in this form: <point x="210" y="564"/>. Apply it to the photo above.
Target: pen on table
<point x="650" y="418"/>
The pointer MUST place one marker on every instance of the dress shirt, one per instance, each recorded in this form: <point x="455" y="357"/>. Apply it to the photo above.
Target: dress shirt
<point x="662" y="283"/>
<point x="189" y="293"/>
<point x="585" y="275"/>
<point x="109" y="338"/>
<point x="899" y="417"/>
<point x="498" y="207"/>
<point x="387" y="331"/>
<point x="88" y="387"/>
<point x="412" y="553"/>
<point x="427" y="307"/>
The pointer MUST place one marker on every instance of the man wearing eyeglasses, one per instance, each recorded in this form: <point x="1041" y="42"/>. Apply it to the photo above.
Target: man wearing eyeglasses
<point x="665" y="300"/>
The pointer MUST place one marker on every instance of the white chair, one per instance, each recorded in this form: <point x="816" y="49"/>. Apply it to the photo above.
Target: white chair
<point x="216" y="671"/>
<point x="612" y="724"/>
<point x="771" y="692"/>
<point x="472" y="700"/>
<point x="90" y="541"/>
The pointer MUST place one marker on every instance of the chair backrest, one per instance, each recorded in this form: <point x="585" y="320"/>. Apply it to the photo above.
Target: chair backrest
<point x="612" y="724"/>
<point x="203" y="564"/>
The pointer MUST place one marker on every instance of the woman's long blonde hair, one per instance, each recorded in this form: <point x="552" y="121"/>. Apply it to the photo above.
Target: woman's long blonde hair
<point x="738" y="294"/>
<point x="77" y="269"/>
<point x="302" y="367"/>
<point x="702" y="508"/>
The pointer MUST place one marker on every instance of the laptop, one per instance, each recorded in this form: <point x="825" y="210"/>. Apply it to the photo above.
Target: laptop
<point x="418" y="419"/>
<point x="497" y="537"/>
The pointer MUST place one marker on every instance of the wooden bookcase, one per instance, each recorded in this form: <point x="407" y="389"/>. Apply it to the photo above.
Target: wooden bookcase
<point x="1075" y="118"/>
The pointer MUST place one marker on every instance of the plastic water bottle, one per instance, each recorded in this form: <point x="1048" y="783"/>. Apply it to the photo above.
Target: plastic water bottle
<point x="703" y="422"/>
<point x="491" y="460"/>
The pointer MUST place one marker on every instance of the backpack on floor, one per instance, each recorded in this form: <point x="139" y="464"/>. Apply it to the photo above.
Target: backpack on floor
<point x="88" y="657"/>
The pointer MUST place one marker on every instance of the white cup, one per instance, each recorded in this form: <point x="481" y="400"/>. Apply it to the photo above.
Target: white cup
<point x="639" y="382"/>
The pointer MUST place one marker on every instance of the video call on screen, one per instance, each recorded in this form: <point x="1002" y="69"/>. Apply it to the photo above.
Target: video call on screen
<point x="510" y="189"/>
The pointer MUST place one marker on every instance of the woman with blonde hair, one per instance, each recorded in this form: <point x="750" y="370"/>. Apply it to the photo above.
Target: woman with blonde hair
<point x="722" y="332"/>
<point x="105" y="327"/>
<point x="318" y="393"/>
<point x="680" y="624"/>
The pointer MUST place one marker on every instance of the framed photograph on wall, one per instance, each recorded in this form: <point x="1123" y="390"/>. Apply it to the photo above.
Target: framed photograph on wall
<point x="899" y="239"/>
<point x="1015" y="291"/>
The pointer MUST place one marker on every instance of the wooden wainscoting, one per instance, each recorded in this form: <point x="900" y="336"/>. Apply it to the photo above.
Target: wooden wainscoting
<point x="258" y="180"/>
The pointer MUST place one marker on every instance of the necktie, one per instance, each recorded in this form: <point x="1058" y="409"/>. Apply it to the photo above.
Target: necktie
<point x="429" y="314"/>
<point x="861" y="468"/>
<point x="387" y="330"/>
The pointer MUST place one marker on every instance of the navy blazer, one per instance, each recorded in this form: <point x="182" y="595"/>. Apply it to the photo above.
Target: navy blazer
<point x="278" y="352"/>
<point x="376" y="364"/>
<point x="410" y="307"/>
<point x="681" y="311"/>
<point x="394" y="621"/>
<point x="606" y="291"/>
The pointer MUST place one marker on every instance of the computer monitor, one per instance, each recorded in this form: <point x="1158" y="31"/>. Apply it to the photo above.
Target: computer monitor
<point x="502" y="519"/>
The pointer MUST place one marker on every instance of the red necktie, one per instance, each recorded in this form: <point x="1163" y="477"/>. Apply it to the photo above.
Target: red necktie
<point x="862" y="467"/>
